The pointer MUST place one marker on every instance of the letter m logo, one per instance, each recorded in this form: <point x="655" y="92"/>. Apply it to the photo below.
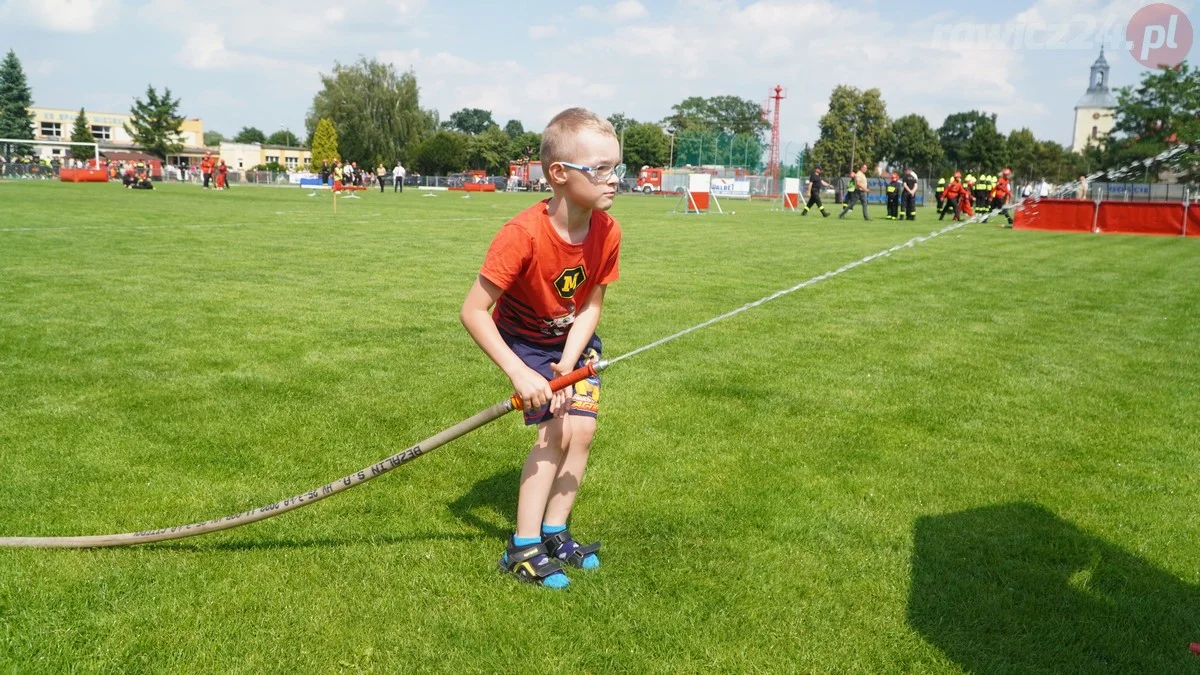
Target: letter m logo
<point x="569" y="280"/>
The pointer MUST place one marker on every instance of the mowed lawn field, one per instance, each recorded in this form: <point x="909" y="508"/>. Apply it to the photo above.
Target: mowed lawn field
<point x="977" y="454"/>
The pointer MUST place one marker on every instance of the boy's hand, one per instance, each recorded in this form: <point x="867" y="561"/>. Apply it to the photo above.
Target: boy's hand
<point x="561" y="402"/>
<point x="531" y="388"/>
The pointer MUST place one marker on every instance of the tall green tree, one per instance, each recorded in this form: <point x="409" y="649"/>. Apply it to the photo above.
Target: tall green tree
<point x="531" y="140"/>
<point x="1163" y="110"/>
<point x="915" y="144"/>
<point x="284" y="137"/>
<point x="444" y="152"/>
<point x="250" y="135"/>
<point x="471" y="120"/>
<point x="718" y="114"/>
<point x="1022" y="153"/>
<point x="213" y="137"/>
<point x="972" y="142"/>
<point x="488" y="150"/>
<point x="620" y="122"/>
<point x="16" y="99"/>
<point x="856" y="129"/>
<point x="375" y="110"/>
<point x="514" y="128"/>
<point x="81" y="132"/>
<point x="324" y="143"/>
<point x="154" y="123"/>
<point x="646" y="144"/>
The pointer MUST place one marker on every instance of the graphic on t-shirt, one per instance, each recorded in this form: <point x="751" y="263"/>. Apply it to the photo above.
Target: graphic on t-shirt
<point x="569" y="280"/>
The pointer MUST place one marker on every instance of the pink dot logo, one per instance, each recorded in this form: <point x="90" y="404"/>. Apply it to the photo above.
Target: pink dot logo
<point x="1159" y="35"/>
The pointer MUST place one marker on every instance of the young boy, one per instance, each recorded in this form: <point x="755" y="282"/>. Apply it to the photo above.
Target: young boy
<point x="545" y="273"/>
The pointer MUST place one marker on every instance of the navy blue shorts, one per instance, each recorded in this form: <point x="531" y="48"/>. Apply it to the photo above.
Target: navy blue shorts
<point x="586" y="399"/>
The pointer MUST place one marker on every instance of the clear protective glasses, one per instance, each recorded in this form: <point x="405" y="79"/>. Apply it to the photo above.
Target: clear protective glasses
<point x="599" y="174"/>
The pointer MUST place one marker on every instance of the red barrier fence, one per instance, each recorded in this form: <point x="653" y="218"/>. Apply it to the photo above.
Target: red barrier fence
<point x="1074" y="215"/>
<point x="83" y="175"/>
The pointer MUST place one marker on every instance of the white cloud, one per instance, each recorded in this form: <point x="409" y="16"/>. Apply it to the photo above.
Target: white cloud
<point x="61" y="16"/>
<point x="542" y="32"/>
<point x="625" y="10"/>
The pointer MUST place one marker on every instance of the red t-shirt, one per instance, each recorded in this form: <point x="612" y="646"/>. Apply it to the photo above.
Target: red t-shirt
<point x="544" y="278"/>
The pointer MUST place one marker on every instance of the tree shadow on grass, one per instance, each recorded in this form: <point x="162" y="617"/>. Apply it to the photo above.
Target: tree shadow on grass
<point x="495" y="496"/>
<point x="1014" y="588"/>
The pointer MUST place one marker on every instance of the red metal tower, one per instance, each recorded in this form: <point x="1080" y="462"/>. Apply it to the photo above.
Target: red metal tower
<point x="775" y="96"/>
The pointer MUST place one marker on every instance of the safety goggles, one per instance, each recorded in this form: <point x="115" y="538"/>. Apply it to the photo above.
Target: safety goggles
<point x="599" y="174"/>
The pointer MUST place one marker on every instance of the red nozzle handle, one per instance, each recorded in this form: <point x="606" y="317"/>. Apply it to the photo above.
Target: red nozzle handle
<point x="561" y="382"/>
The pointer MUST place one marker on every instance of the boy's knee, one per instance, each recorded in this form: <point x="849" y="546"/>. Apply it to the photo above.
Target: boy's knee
<point x="582" y="431"/>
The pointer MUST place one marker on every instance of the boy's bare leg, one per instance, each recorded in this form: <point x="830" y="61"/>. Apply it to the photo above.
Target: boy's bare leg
<point x="570" y="472"/>
<point x="538" y="476"/>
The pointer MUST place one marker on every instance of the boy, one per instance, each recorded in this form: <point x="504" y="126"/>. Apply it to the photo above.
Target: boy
<point x="546" y="272"/>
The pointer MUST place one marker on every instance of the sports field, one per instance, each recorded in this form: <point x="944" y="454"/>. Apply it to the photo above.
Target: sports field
<point x="978" y="454"/>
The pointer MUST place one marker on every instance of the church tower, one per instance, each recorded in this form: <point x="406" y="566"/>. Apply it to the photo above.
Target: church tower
<point x="1094" y="112"/>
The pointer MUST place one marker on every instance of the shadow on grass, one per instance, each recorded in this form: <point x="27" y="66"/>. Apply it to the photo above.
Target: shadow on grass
<point x="1014" y="588"/>
<point x="498" y="494"/>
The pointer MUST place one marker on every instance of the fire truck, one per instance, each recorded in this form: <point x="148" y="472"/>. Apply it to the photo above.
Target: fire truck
<point x="651" y="179"/>
<point x="526" y="174"/>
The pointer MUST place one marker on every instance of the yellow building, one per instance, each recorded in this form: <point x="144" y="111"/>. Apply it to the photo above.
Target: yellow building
<point x="53" y="124"/>
<point x="246" y="156"/>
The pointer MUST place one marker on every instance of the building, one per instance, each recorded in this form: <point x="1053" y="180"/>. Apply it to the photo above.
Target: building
<point x="1094" y="112"/>
<point x="52" y="124"/>
<point x="246" y="156"/>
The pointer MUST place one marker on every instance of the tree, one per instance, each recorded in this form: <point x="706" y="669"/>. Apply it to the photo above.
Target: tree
<point x="719" y="114"/>
<point x="529" y="139"/>
<point x="471" y="120"/>
<point x="856" y="130"/>
<point x="444" y="152"/>
<point x="375" y="109"/>
<point x="915" y="144"/>
<point x="620" y="122"/>
<point x="1022" y="152"/>
<point x="971" y="141"/>
<point x="250" y="135"/>
<point x="284" y="137"/>
<point x="82" y="133"/>
<point x="646" y="144"/>
<point x="488" y="150"/>
<point x="213" y="138"/>
<point x="1159" y="113"/>
<point x="154" y="123"/>
<point x="324" y="143"/>
<point x="514" y="128"/>
<point x="16" y="120"/>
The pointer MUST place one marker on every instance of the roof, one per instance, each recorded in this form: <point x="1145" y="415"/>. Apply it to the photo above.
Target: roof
<point x="123" y="156"/>
<point x="1097" y="99"/>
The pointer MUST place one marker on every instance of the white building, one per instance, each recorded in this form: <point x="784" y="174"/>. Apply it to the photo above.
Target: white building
<point x="1094" y="112"/>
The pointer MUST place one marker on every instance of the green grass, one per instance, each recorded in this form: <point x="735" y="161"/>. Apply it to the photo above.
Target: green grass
<point x="978" y="454"/>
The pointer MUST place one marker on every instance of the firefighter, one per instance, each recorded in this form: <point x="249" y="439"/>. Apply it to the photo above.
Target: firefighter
<point x="951" y="197"/>
<point x="908" y="195"/>
<point x="967" y="203"/>
<point x="1000" y="195"/>
<point x="941" y="187"/>
<point x="849" y="189"/>
<point x="815" y="183"/>
<point x="893" y="198"/>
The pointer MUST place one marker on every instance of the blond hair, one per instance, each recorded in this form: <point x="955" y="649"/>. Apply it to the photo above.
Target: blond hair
<point x="558" y="140"/>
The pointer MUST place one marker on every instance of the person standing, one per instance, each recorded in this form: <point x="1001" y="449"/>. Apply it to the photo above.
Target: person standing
<point x="398" y="177"/>
<point x="380" y="173"/>
<point x="893" y="197"/>
<point x="860" y="194"/>
<point x="325" y="172"/>
<point x="1082" y="191"/>
<point x="206" y="168"/>
<point x="815" y="184"/>
<point x="908" y="195"/>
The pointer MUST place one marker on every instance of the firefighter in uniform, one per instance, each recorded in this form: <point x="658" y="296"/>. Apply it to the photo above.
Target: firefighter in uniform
<point x="893" y="198"/>
<point x="908" y="195"/>
<point x="1000" y="195"/>
<point x="941" y="187"/>
<point x="951" y="197"/>
<point x="815" y="183"/>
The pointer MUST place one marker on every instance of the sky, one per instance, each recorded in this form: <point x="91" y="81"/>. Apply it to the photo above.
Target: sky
<point x="237" y="63"/>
